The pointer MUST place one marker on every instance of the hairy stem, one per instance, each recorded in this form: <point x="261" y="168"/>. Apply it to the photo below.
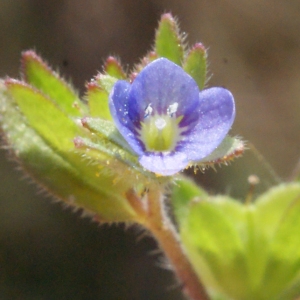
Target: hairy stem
<point x="161" y="227"/>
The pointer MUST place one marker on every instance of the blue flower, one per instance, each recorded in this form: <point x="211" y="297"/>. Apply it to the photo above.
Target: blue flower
<point x="166" y="120"/>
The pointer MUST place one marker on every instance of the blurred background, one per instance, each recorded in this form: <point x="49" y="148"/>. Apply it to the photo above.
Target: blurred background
<point x="47" y="252"/>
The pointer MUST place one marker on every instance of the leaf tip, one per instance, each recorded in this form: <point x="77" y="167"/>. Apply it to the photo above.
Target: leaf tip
<point x="78" y="142"/>
<point x="84" y="122"/>
<point x="113" y="68"/>
<point x="167" y="17"/>
<point x="9" y="82"/>
<point x="199" y="47"/>
<point x="92" y="86"/>
<point x="27" y="57"/>
<point x="29" y="54"/>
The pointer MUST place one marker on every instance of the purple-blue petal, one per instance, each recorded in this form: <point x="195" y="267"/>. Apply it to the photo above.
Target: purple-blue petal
<point x="161" y="84"/>
<point x="165" y="164"/>
<point x="118" y="104"/>
<point x="217" y="113"/>
<point x="205" y="117"/>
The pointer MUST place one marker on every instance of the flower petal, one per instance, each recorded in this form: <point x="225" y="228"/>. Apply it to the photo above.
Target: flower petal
<point x="161" y="84"/>
<point x="118" y="104"/>
<point x="162" y="92"/>
<point x="217" y="113"/>
<point x="165" y="164"/>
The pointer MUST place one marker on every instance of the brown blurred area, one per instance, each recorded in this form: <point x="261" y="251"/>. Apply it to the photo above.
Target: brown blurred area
<point x="254" y="50"/>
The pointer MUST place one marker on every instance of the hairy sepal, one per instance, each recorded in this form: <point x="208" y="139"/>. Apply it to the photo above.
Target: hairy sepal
<point x="43" y="144"/>
<point x="230" y="148"/>
<point x="168" y="41"/>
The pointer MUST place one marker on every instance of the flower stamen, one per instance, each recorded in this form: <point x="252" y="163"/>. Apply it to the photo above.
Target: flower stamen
<point x="148" y="111"/>
<point x="172" y="109"/>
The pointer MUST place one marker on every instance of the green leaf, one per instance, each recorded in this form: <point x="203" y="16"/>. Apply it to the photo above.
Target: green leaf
<point x="214" y="245"/>
<point x="97" y="99"/>
<point x="283" y="264"/>
<point x="52" y="161"/>
<point x="168" y="42"/>
<point x="272" y="205"/>
<point x="292" y="292"/>
<point x="38" y="74"/>
<point x="244" y="251"/>
<point x="195" y="64"/>
<point x="113" y="68"/>
<point x="184" y="190"/>
<point x="43" y="115"/>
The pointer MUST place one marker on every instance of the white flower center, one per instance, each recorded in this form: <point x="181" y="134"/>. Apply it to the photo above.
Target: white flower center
<point x="160" y="133"/>
<point x="160" y="123"/>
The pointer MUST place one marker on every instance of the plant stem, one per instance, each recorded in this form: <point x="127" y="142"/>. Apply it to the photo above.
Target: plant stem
<point x="161" y="227"/>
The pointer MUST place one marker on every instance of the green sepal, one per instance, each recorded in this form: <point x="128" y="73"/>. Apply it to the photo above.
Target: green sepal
<point x="38" y="74"/>
<point x="168" y="42"/>
<point x="106" y="129"/>
<point x="97" y="99"/>
<point x="98" y="95"/>
<point x="108" y="153"/>
<point x="113" y="68"/>
<point x="107" y="140"/>
<point x="115" y="160"/>
<point x="195" y="64"/>
<point x="106" y="82"/>
<point x="230" y="148"/>
<point x="53" y="161"/>
<point x="150" y="57"/>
